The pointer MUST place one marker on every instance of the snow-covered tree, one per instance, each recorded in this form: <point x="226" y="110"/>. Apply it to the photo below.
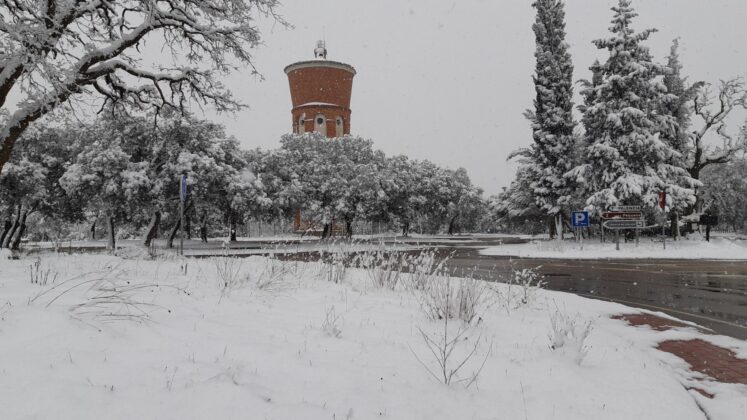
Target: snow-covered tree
<point x="466" y="208"/>
<point x="515" y="207"/>
<point x="21" y="191"/>
<point x="401" y="186"/>
<point x="329" y="179"/>
<point x="627" y="162"/>
<point x="713" y="107"/>
<point x="726" y="193"/>
<point x="55" y="50"/>
<point x="678" y="101"/>
<point x="550" y="156"/>
<point x="105" y="178"/>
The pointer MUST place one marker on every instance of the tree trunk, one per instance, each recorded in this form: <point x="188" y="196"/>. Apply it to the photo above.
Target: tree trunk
<point x="406" y="229"/>
<point x="349" y="229"/>
<point x="551" y="226"/>
<point x="111" y="233"/>
<point x="232" y="237"/>
<point x="16" y="243"/>
<point x="6" y="229"/>
<point x="92" y="231"/>
<point x="152" y="232"/>
<point x="16" y="224"/>
<point x="452" y="225"/>
<point x="674" y="225"/>
<point x="172" y="235"/>
<point x="559" y="226"/>
<point x="326" y="232"/>
<point x="203" y="228"/>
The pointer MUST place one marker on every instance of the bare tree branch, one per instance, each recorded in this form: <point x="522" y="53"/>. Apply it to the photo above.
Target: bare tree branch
<point x="55" y="49"/>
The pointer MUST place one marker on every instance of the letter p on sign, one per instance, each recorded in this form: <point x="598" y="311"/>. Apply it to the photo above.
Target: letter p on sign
<point x="580" y="219"/>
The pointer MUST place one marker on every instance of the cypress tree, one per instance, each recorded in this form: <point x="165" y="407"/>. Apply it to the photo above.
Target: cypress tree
<point x="550" y="156"/>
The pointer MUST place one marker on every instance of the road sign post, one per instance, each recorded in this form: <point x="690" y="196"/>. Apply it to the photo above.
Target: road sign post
<point x="182" y="201"/>
<point x="617" y="239"/>
<point x="580" y="220"/>
<point x="663" y="207"/>
<point x="619" y="224"/>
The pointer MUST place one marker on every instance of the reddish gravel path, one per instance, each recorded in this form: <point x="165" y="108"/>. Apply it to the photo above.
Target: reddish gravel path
<point x="719" y="363"/>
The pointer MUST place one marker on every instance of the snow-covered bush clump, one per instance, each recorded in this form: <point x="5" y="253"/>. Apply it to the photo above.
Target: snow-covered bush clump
<point x="568" y="334"/>
<point x="529" y="282"/>
<point x="447" y="297"/>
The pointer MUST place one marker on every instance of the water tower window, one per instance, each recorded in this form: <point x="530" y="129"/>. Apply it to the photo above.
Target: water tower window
<point x="338" y="127"/>
<point x="321" y="124"/>
<point x="302" y="124"/>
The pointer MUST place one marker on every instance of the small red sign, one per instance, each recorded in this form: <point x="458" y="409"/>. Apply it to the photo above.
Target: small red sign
<point x="662" y="200"/>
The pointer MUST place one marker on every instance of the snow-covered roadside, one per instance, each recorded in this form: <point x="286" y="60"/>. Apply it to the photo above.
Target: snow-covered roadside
<point x="286" y="343"/>
<point x="718" y="248"/>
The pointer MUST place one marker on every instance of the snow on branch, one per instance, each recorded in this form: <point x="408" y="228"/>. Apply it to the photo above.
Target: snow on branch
<point x="58" y="48"/>
<point x="713" y="110"/>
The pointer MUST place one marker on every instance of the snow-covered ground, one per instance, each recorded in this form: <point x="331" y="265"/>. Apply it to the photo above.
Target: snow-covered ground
<point x="721" y="248"/>
<point x="123" y="338"/>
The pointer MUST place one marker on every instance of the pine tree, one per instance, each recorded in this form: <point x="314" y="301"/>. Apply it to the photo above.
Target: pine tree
<point x="677" y="102"/>
<point x="677" y="105"/>
<point x="550" y="156"/>
<point x="628" y="160"/>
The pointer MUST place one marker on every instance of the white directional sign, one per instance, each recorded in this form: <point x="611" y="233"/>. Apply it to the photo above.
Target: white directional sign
<point x="626" y="208"/>
<point x="624" y="224"/>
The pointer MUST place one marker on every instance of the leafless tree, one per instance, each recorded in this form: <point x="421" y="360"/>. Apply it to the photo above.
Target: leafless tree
<point x="52" y="51"/>
<point x="713" y="109"/>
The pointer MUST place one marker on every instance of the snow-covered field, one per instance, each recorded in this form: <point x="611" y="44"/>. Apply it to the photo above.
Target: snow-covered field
<point x="720" y="248"/>
<point x="121" y="338"/>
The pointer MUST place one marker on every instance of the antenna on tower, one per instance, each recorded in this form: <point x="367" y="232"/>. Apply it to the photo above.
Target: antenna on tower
<point x="321" y="49"/>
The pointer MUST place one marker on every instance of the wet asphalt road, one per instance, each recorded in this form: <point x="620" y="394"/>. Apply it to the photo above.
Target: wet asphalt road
<point x="711" y="293"/>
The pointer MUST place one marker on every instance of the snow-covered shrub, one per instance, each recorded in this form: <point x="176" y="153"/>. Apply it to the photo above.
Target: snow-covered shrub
<point x="4" y="309"/>
<point x="568" y="334"/>
<point x="422" y="267"/>
<point x="229" y="272"/>
<point x="383" y="268"/>
<point x="110" y="295"/>
<point x="452" y="351"/>
<point x="446" y="297"/>
<point x="337" y="268"/>
<point x="273" y="275"/>
<point x="529" y="281"/>
<point x="40" y="275"/>
<point x="6" y="254"/>
<point x="332" y="325"/>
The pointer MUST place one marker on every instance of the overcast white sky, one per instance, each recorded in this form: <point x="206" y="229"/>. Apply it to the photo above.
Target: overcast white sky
<point x="448" y="80"/>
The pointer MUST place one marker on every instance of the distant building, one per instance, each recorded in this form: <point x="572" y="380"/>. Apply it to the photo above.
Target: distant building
<point x="320" y="92"/>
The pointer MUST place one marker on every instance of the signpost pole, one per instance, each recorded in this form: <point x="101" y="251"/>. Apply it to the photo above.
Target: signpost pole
<point x="182" y="201"/>
<point x="663" y="206"/>
<point x="181" y="223"/>
<point x="617" y="239"/>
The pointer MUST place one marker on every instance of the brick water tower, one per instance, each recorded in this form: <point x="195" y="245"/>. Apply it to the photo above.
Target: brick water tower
<point x="320" y="92"/>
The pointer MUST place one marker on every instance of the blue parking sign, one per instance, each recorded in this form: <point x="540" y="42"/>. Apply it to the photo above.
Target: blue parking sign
<point x="580" y="219"/>
<point x="183" y="188"/>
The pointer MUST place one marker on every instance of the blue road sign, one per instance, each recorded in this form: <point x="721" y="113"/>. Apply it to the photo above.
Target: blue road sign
<point x="580" y="219"/>
<point x="183" y="188"/>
